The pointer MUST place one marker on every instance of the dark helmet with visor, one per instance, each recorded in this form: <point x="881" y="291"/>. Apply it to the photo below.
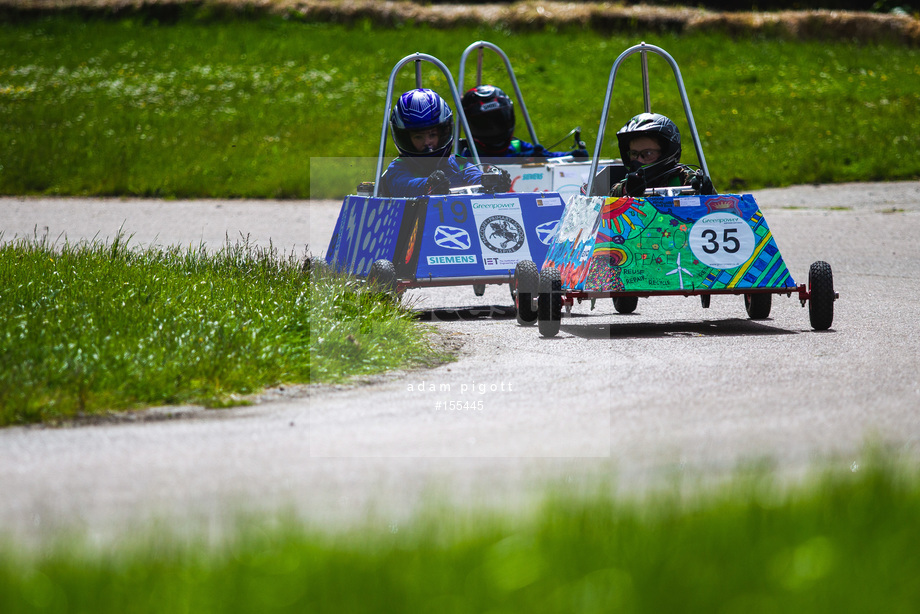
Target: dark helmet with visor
<point x="421" y="109"/>
<point x="658" y="128"/>
<point x="490" y="113"/>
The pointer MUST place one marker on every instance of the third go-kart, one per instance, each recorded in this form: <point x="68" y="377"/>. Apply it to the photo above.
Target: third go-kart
<point x="670" y="241"/>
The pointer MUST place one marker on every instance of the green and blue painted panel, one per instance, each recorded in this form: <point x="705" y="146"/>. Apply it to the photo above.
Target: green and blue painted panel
<point x="666" y="244"/>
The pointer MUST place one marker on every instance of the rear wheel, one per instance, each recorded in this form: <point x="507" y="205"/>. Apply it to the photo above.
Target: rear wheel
<point x="625" y="304"/>
<point x="527" y="284"/>
<point x="383" y="275"/>
<point x="821" y="295"/>
<point x="549" y="302"/>
<point x="758" y="305"/>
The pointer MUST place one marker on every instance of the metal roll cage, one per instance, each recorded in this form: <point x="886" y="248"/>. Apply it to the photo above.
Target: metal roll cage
<point x="480" y="46"/>
<point x="459" y="116"/>
<point x="643" y="49"/>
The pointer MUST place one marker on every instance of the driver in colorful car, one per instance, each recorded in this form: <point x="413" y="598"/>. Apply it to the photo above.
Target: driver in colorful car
<point x="650" y="147"/>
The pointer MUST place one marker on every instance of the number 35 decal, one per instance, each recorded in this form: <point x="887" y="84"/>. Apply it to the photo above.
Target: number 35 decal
<point x="722" y="240"/>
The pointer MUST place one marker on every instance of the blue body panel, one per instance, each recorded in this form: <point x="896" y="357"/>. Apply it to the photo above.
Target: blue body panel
<point x="453" y="236"/>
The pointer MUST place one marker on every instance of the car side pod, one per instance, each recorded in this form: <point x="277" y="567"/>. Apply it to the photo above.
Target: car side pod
<point x="443" y="240"/>
<point x="625" y="248"/>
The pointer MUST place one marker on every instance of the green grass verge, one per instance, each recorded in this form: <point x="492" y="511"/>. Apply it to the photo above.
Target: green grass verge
<point x="843" y="543"/>
<point x="238" y="108"/>
<point x="93" y="326"/>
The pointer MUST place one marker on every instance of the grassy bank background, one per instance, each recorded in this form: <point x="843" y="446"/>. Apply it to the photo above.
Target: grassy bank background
<point x="212" y="107"/>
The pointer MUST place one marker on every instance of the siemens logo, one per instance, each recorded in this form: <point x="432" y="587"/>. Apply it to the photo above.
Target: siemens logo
<point x="465" y="259"/>
<point x="532" y="177"/>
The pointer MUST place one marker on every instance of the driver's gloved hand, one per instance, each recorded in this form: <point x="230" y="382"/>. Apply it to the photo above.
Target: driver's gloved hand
<point x="702" y="184"/>
<point x="437" y="183"/>
<point x="496" y="180"/>
<point x="579" y="153"/>
<point x="635" y="184"/>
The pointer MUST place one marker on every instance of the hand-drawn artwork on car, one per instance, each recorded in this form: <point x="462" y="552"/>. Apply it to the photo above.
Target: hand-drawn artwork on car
<point x="608" y="244"/>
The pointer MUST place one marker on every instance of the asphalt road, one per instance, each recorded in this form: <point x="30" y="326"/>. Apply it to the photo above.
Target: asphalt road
<point x="626" y="400"/>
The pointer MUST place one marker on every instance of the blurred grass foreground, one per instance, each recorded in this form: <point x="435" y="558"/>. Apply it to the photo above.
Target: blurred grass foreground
<point x="844" y="542"/>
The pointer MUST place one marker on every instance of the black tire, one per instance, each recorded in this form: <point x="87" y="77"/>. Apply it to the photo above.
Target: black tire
<point x="625" y="304"/>
<point x="821" y="295"/>
<point x="383" y="275"/>
<point x="549" y="302"/>
<point x="758" y="305"/>
<point x="527" y="284"/>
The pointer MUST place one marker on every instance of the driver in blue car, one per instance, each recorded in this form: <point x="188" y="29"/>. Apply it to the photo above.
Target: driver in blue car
<point x="421" y="124"/>
<point x="650" y="148"/>
<point x="490" y="113"/>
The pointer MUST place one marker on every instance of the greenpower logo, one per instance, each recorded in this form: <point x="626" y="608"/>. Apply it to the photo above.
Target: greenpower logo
<point x="496" y="205"/>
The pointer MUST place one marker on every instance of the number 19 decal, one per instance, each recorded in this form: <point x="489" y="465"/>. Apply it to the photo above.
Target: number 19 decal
<point x="722" y="240"/>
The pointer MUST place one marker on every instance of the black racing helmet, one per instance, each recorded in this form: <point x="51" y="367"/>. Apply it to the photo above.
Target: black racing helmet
<point x="490" y="113"/>
<point x="659" y="128"/>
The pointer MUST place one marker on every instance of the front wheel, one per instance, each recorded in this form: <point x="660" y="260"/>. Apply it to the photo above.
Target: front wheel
<point x="549" y="302"/>
<point x="527" y="284"/>
<point x="383" y="275"/>
<point x="758" y="305"/>
<point x="821" y="295"/>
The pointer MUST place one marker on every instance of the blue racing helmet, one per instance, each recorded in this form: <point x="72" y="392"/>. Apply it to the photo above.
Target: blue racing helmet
<point x="418" y="110"/>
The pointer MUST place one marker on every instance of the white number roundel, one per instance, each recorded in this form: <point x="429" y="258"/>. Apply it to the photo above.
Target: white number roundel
<point x="722" y="240"/>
